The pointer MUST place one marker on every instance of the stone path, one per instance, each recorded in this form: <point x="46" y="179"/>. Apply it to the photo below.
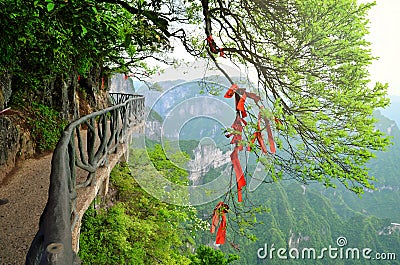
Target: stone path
<point x="25" y="193"/>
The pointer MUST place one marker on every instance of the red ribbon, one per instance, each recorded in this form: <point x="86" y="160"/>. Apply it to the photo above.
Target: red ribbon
<point x="258" y="135"/>
<point x="278" y="122"/>
<point x="237" y="134"/>
<point x="240" y="180"/>
<point x="102" y="83"/>
<point x="221" y="52"/>
<point x="213" y="46"/>
<point x="269" y="132"/>
<point x="242" y="99"/>
<point x="240" y="105"/>
<point x="219" y="211"/>
<point x="270" y="137"/>
<point x="231" y="91"/>
<point x="253" y="96"/>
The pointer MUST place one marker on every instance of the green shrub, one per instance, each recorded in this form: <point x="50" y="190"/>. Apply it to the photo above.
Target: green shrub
<point x="46" y="126"/>
<point x="137" y="229"/>
<point x="206" y="255"/>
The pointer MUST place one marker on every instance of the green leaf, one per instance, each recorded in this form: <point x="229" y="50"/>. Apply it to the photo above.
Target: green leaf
<point x="50" y="6"/>
<point x="84" y="30"/>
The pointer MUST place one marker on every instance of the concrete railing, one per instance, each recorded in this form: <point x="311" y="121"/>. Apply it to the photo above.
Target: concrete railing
<point x="84" y="148"/>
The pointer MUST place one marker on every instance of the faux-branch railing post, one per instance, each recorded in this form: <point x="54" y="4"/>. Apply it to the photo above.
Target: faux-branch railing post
<point x="105" y="130"/>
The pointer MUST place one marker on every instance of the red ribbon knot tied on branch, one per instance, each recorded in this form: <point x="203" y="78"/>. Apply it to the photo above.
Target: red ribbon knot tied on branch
<point x="219" y="213"/>
<point x="237" y="127"/>
<point x="240" y="98"/>
<point x="258" y="135"/>
<point x="213" y="46"/>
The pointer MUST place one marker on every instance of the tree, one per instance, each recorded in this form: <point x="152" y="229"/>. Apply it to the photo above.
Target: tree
<point x="49" y="45"/>
<point x="206" y="255"/>
<point x="311" y="60"/>
<point x="310" y="57"/>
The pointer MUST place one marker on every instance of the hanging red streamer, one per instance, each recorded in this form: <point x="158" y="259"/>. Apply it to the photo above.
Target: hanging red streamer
<point x="237" y="126"/>
<point x="240" y="180"/>
<point x="240" y="100"/>
<point x="231" y="91"/>
<point x="240" y="105"/>
<point x="219" y="211"/>
<point x="212" y="44"/>
<point x="102" y="83"/>
<point x="253" y="96"/>
<point x="269" y="132"/>
<point x="270" y="137"/>
<point x="258" y="135"/>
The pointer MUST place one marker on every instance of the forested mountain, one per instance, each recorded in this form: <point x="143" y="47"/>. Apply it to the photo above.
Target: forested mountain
<point x="393" y="110"/>
<point x="292" y="215"/>
<point x="310" y="216"/>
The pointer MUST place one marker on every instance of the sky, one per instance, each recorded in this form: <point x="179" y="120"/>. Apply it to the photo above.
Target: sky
<point x="385" y="39"/>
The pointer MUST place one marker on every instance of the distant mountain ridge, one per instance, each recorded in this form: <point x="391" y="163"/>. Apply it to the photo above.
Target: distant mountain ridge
<point x="307" y="216"/>
<point x="393" y="110"/>
<point x="312" y="217"/>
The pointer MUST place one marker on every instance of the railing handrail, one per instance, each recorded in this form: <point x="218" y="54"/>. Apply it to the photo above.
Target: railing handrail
<point x="118" y="98"/>
<point x="105" y="128"/>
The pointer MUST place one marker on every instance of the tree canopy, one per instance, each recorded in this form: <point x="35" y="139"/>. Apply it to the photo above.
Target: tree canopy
<point x="311" y="59"/>
<point x="310" y="56"/>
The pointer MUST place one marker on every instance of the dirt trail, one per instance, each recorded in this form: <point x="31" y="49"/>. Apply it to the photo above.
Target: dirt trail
<point x="26" y="190"/>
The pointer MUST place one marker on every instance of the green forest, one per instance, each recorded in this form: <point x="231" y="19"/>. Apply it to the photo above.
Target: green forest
<point x="132" y="227"/>
<point x="136" y="228"/>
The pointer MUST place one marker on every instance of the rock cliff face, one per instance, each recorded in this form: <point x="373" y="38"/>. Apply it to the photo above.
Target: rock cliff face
<point x="14" y="143"/>
<point x="153" y="129"/>
<point x="71" y="95"/>
<point x="120" y="84"/>
<point x="9" y="137"/>
<point x="206" y="156"/>
<point x="5" y="89"/>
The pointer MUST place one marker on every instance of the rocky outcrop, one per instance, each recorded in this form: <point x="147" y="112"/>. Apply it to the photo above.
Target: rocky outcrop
<point x="14" y="143"/>
<point x="5" y="89"/>
<point x="9" y="137"/>
<point x="296" y="239"/>
<point x="206" y="156"/>
<point x="70" y="95"/>
<point x="153" y="129"/>
<point x="122" y="84"/>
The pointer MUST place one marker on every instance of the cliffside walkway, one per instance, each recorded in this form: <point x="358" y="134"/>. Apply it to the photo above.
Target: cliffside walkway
<point x="64" y="184"/>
